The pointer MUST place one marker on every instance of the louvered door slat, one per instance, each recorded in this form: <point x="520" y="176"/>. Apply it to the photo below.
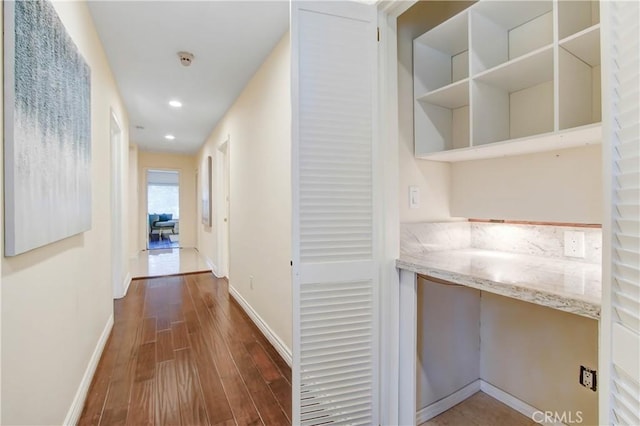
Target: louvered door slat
<point x="335" y="271"/>
<point x="623" y="314"/>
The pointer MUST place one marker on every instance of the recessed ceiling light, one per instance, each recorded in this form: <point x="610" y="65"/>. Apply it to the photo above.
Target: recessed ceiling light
<point x="175" y="104"/>
<point x="170" y="137"/>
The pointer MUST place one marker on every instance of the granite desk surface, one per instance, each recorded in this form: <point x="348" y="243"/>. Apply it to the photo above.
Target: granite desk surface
<point x="566" y="285"/>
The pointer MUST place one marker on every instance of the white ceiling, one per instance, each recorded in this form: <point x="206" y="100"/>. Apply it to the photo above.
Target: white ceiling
<point x="230" y="39"/>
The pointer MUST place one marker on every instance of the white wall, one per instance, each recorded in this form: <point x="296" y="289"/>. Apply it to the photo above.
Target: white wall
<point x="534" y="353"/>
<point x="56" y="300"/>
<point x="555" y="186"/>
<point x="449" y="339"/>
<point x="258" y="126"/>
<point x="186" y="166"/>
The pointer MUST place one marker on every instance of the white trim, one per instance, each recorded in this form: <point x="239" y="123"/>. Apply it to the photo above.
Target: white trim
<point x="271" y="336"/>
<point x="222" y="176"/>
<point x="512" y="402"/>
<point x="125" y="285"/>
<point x="209" y="262"/>
<point x="73" y="415"/>
<point x="407" y="343"/>
<point x="605" y="393"/>
<point x="394" y="8"/>
<point x="117" y="204"/>
<point x="390" y="356"/>
<point x="459" y="396"/>
<point x="389" y="231"/>
<point x="448" y="402"/>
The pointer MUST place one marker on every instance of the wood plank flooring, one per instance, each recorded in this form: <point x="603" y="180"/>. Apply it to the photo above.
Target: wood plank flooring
<point x="480" y="410"/>
<point x="182" y="352"/>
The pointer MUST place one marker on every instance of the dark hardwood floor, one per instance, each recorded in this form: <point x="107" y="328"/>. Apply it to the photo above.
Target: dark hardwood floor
<point x="182" y="352"/>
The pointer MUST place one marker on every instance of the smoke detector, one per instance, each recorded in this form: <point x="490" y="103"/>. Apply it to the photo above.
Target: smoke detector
<point x="185" y="58"/>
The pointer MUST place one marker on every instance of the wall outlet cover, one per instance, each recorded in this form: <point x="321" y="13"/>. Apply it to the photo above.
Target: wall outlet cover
<point x="574" y="244"/>
<point x="588" y="378"/>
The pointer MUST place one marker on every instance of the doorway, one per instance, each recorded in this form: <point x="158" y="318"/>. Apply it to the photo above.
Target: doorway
<point x="163" y="209"/>
<point x="222" y="203"/>
<point x="117" y="241"/>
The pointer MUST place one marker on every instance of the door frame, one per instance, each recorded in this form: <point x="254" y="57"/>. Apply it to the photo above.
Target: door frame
<point x="223" y="206"/>
<point x="390" y="368"/>
<point x="119" y="279"/>
<point x="145" y="204"/>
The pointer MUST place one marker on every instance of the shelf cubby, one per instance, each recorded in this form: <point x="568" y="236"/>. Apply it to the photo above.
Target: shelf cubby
<point x="585" y="45"/>
<point x="517" y="99"/>
<point x="445" y="119"/>
<point x="504" y="30"/>
<point x="579" y="81"/>
<point x="441" y="86"/>
<point x="523" y="72"/>
<point x="441" y="56"/>
<point x="576" y="16"/>
<point x="511" y="115"/>
<point x="452" y="96"/>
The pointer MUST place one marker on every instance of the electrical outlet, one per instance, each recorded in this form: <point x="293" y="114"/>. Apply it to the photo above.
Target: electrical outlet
<point x="574" y="244"/>
<point x="251" y="282"/>
<point x="588" y="378"/>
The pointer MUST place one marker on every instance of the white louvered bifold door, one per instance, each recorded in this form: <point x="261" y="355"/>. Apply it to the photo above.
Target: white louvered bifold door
<point x="335" y="270"/>
<point x="621" y="306"/>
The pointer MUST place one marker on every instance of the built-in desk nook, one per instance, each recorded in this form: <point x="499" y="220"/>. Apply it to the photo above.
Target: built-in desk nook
<point x="499" y="308"/>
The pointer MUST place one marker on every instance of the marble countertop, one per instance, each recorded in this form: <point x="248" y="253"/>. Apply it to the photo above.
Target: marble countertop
<point x="566" y="285"/>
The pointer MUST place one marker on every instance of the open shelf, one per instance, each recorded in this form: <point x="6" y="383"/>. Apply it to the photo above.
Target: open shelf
<point x="441" y="86"/>
<point x="505" y="30"/>
<point x="441" y="128"/>
<point x="525" y="71"/>
<point x="453" y="96"/>
<point x="585" y="45"/>
<point x="579" y="90"/>
<point x="442" y="55"/>
<point x="451" y="36"/>
<point x="517" y="99"/>
<point x="508" y="77"/>
<point x="509" y="115"/>
<point x="575" y="16"/>
<point x="581" y="136"/>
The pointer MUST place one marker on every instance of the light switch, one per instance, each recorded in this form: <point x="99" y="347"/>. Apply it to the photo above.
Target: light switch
<point x="414" y="197"/>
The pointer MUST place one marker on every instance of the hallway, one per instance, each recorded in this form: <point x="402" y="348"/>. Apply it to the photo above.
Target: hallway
<point x="183" y="352"/>
<point x="163" y="262"/>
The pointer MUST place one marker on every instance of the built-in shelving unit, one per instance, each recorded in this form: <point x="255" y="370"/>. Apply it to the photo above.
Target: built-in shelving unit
<point x="506" y="78"/>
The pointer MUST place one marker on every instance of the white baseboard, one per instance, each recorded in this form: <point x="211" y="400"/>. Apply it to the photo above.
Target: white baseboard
<point x="127" y="283"/>
<point x="272" y="337"/>
<point x="125" y="286"/>
<point x="73" y="415"/>
<point x="513" y="402"/>
<point x="455" y="398"/>
<point x="444" y="404"/>
<point x="209" y="262"/>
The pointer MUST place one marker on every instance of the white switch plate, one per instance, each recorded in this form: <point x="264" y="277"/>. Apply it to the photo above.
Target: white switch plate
<point x="414" y="197"/>
<point x="574" y="244"/>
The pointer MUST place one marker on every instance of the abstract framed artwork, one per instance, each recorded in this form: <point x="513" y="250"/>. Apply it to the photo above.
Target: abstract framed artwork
<point x="47" y="141"/>
<point x="206" y="193"/>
